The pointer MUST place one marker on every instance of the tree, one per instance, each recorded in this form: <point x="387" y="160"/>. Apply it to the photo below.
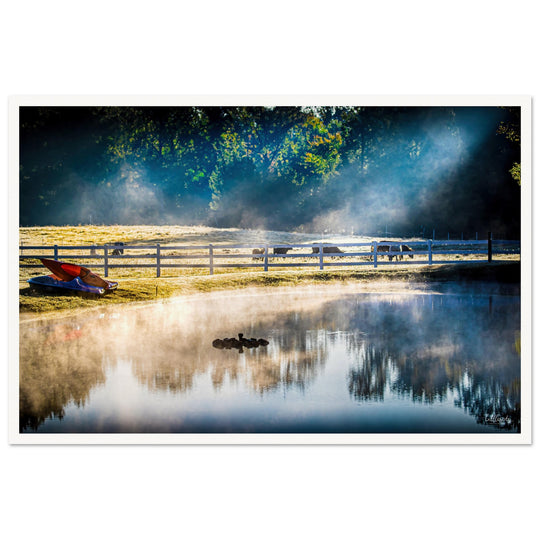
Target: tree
<point x="274" y="167"/>
<point x="511" y="129"/>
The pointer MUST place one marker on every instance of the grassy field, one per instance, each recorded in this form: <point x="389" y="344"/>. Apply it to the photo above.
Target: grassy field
<point x="142" y="284"/>
<point x="147" y="234"/>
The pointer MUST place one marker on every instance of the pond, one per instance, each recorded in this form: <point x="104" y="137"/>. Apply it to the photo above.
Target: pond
<point x="338" y="360"/>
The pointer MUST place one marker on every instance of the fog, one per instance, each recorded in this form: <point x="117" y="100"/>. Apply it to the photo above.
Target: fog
<point x="125" y="197"/>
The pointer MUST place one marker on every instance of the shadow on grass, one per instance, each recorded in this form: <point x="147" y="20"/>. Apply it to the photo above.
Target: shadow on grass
<point x="36" y="293"/>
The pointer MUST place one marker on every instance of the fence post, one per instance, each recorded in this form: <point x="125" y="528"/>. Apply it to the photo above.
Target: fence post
<point x="321" y="257"/>
<point x="266" y="257"/>
<point x="211" y="258"/>
<point x="106" y="261"/>
<point x="55" y="252"/>
<point x="158" y="260"/>
<point x="430" y="254"/>
<point x="374" y="254"/>
<point x="490" y="246"/>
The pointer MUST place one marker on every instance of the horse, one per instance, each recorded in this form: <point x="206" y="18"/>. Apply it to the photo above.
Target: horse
<point x="327" y="249"/>
<point x="390" y="248"/>
<point x="257" y="251"/>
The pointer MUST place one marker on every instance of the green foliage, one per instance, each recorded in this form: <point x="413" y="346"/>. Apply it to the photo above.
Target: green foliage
<point x="511" y="129"/>
<point x="229" y="166"/>
<point x="515" y="171"/>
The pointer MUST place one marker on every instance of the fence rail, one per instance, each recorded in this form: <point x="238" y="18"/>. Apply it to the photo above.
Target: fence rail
<point x="321" y="255"/>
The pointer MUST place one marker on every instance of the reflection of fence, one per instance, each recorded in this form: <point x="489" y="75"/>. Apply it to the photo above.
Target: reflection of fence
<point x="264" y="256"/>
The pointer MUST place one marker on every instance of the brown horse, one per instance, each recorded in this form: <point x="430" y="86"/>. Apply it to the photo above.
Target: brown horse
<point x="257" y="251"/>
<point x="406" y="249"/>
<point x="390" y="248"/>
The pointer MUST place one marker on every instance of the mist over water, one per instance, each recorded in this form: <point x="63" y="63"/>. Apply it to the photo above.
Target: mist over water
<point x="338" y="360"/>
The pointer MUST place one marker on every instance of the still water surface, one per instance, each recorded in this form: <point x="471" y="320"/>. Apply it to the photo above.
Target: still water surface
<point x="409" y="361"/>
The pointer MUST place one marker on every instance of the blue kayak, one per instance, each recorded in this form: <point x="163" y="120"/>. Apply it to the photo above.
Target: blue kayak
<point x="51" y="283"/>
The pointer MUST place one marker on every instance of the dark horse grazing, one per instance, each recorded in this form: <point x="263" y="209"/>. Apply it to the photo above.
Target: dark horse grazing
<point x="406" y="249"/>
<point x="327" y="249"/>
<point x="118" y="251"/>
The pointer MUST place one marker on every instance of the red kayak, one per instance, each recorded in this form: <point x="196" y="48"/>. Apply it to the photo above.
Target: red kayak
<point x="68" y="271"/>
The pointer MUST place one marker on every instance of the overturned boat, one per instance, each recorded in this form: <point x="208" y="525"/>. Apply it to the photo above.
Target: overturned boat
<point x="68" y="277"/>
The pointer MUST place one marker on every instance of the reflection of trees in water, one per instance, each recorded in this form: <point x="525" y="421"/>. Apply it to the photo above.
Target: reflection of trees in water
<point x="181" y="358"/>
<point x="478" y="362"/>
<point x="171" y="367"/>
<point x="54" y="370"/>
<point x="492" y="402"/>
<point x="368" y="378"/>
<point x="424" y="348"/>
<point x="60" y="363"/>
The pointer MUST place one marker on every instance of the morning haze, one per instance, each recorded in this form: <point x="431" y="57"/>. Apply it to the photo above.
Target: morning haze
<point x="305" y="169"/>
<point x="326" y="270"/>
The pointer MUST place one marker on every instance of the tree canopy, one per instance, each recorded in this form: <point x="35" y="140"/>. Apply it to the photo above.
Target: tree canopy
<point x="286" y="168"/>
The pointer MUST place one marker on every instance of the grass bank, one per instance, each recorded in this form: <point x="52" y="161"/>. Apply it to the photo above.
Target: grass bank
<point x="147" y="289"/>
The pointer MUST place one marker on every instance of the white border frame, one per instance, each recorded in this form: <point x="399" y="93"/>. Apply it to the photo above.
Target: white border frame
<point x="525" y="437"/>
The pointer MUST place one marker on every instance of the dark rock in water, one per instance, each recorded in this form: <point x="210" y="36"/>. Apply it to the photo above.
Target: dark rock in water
<point x="229" y="343"/>
<point x="240" y="343"/>
<point x="248" y="342"/>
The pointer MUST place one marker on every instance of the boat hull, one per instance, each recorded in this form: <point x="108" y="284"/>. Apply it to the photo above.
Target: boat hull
<point x="53" y="284"/>
<point x="67" y="272"/>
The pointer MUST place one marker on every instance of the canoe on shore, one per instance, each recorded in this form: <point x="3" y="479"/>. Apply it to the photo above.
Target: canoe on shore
<point x="71" y="277"/>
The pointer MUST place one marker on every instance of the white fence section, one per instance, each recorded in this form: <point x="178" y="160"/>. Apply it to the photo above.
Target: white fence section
<point x="265" y="256"/>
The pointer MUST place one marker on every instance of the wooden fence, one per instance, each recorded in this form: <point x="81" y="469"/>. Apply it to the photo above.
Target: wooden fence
<point x="302" y="255"/>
